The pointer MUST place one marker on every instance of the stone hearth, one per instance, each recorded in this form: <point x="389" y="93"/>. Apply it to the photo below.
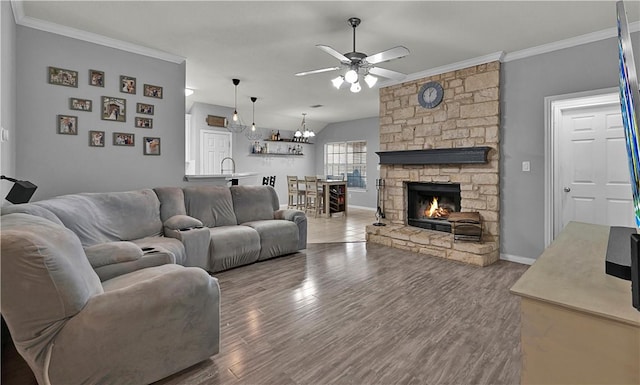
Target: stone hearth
<point x="469" y="116"/>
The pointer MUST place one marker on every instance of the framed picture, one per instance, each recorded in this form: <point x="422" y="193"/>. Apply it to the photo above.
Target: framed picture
<point x="127" y="84"/>
<point x="144" y="122"/>
<point x="146" y="109"/>
<point x="96" y="78"/>
<point x="96" y="138"/>
<point x="123" y="139"/>
<point x="80" y="104"/>
<point x="67" y="125"/>
<point x="114" y="109"/>
<point x="153" y="91"/>
<point x="151" y="146"/>
<point x="63" y="77"/>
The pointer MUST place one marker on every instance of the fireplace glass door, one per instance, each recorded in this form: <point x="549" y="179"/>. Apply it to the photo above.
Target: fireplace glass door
<point x="429" y="204"/>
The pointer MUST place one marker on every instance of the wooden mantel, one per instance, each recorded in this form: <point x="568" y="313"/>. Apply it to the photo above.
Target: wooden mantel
<point x="462" y="155"/>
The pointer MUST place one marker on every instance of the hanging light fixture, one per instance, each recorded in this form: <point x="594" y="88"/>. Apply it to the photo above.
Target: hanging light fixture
<point x="299" y="133"/>
<point x="253" y="133"/>
<point x="236" y="123"/>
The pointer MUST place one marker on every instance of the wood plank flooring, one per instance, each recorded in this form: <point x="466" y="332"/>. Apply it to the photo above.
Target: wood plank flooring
<point x="352" y="313"/>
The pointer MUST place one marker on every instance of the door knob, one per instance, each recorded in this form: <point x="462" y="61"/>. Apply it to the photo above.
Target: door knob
<point x="567" y="189"/>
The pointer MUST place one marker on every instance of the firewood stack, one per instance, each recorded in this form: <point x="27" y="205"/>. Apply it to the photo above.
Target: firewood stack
<point x="466" y="226"/>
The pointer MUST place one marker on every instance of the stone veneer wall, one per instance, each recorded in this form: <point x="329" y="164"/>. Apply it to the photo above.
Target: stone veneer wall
<point x="468" y="116"/>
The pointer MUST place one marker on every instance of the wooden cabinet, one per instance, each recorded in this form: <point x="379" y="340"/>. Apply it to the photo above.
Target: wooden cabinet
<point x="334" y="197"/>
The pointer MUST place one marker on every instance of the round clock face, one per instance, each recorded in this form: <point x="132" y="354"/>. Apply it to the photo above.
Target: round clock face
<point x="430" y="95"/>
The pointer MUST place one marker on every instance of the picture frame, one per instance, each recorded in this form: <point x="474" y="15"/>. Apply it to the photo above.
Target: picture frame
<point x="150" y="145"/>
<point x="153" y="91"/>
<point x="96" y="78"/>
<point x="127" y="84"/>
<point x="63" y="77"/>
<point x="67" y="125"/>
<point x="143" y="108"/>
<point x="80" y="104"/>
<point x="124" y="139"/>
<point x="96" y="138"/>
<point x="114" y="109"/>
<point x="144" y="122"/>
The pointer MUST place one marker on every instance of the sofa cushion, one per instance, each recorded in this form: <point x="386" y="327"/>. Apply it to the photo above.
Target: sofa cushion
<point x="210" y="204"/>
<point x="32" y="209"/>
<point x="39" y="256"/>
<point x="171" y="202"/>
<point x="170" y="245"/>
<point x="277" y="237"/>
<point x="104" y="217"/>
<point x="109" y="253"/>
<point x="233" y="246"/>
<point x="254" y="203"/>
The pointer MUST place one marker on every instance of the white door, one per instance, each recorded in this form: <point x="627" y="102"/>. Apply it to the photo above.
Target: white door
<point x="593" y="171"/>
<point x="214" y="146"/>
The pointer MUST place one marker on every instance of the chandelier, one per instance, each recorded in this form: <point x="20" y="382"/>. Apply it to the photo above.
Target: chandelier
<point x="303" y="131"/>
<point x="253" y="133"/>
<point x="236" y="125"/>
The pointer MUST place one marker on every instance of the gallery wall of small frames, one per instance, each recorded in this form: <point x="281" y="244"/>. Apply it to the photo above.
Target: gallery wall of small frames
<point x="111" y="107"/>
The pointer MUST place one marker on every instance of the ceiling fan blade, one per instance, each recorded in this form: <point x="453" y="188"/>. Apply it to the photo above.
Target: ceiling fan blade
<point x="387" y="73"/>
<point x="390" y="54"/>
<point x="317" y="71"/>
<point x="334" y="53"/>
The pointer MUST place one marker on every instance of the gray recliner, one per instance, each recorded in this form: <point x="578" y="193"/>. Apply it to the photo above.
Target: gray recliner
<point x="71" y="328"/>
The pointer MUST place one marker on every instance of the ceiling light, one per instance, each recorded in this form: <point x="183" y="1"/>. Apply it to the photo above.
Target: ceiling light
<point x="370" y="80"/>
<point x="337" y="82"/>
<point x="355" y="87"/>
<point x="253" y="133"/>
<point x="351" y="76"/>
<point x="236" y="124"/>
<point x="188" y="92"/>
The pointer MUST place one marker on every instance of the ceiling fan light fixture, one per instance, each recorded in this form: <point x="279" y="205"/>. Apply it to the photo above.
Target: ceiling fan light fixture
<point x="188" y="92"/>
<point x="370" y="80"/>
<point x="355" y="87"/>
<point x="337" y="82"/>
<point x="351" y="76"/>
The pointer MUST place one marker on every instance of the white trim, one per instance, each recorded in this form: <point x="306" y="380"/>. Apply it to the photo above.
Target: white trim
<point x="496" y="56"/>
<point x="27" y="21"/>
<point x="361" y="207"/>
<point x="568" y="43"/>
<point x="517" y="259"/>
<point x="553" y="108"/>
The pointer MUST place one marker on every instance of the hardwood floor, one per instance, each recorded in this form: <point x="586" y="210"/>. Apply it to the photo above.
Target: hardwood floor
<point x="349" y="228"/>
<point x="352" y="313"/>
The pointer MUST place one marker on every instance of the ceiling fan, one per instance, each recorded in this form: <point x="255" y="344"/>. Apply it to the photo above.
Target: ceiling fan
<point x="360" y="64"/>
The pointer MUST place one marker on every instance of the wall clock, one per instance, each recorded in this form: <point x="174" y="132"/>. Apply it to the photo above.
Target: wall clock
<point x="430" y="95"/>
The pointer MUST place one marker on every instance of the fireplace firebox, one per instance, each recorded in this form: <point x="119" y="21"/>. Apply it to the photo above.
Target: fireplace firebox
<point x="429" y="204"/>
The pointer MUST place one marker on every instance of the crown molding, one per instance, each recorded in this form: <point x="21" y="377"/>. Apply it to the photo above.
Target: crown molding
<point x="568" y="43"/>
<point x="27" y="21"/>
<point x="496" y="56"/>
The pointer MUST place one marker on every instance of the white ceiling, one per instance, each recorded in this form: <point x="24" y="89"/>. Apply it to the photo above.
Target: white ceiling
<point x="264" y="43"/>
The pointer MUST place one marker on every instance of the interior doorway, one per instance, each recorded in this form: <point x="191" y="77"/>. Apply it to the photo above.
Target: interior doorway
<point x="586" y="170"/>
<point x="214" y="146"/>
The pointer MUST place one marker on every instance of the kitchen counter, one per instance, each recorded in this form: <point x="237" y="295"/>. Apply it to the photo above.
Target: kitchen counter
<point x="227" y="176"/>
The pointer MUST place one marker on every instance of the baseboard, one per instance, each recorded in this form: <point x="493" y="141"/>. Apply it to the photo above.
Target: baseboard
<point x="517" y="259"/>
<point x="362" y="207"/>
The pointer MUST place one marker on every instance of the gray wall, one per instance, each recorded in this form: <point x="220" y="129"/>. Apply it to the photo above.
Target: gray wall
<point x="8" y="97"/>
<point x="525" y="84"/>
<point x="61" y="164"/>
<point x="280" y="166"/>
<point x="367" y="129"/>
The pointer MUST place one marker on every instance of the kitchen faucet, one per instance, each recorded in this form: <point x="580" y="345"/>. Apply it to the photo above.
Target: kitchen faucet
<point x="233" y="164"/>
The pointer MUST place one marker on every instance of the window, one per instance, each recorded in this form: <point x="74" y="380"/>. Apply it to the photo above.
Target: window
<point x="347" y="159"/>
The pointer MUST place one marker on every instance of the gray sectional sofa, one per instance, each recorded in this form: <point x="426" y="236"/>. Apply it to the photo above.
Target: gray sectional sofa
<point x="86" y="275"/>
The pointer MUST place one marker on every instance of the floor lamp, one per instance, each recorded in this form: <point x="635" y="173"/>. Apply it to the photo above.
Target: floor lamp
<point x="21" y="191"/>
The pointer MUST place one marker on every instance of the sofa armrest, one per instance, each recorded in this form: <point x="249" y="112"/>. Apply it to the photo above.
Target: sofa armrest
<point x="164" y="310"/>
<point x="300" y="219"/>
<point x="110" y="253"/>
<point x="178" y="222"/>
<point x="196" y="245"/>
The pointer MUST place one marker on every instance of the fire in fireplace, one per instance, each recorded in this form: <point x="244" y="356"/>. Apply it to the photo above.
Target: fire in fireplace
<point x="429" y="204"/>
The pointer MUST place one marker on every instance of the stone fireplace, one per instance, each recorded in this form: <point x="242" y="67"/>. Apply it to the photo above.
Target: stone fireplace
<point x="429" y="204"/>
<point x="455" y="145"/>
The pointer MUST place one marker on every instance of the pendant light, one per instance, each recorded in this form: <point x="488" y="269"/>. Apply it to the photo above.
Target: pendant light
<point x="236" y="123"/>
<point x="303" y="125"/>
<point x="253" y="133"/>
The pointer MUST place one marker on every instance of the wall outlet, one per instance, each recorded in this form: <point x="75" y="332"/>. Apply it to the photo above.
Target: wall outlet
<point x="526" y="166"/>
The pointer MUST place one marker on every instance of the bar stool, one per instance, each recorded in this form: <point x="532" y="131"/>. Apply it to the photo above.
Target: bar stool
<point x="313" y="199"/>
<point x="296" y="196"/>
